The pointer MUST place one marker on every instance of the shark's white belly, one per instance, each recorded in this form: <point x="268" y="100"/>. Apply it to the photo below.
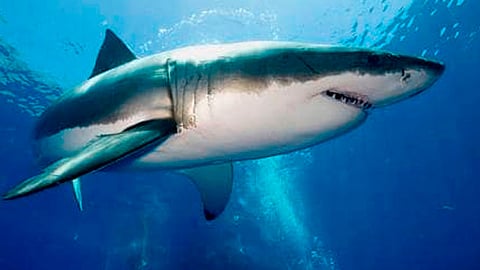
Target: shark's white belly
<point x="238" y="125"/>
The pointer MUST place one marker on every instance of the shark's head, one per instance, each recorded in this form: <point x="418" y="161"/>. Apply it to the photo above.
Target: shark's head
<point x="328" y="90"/>
<point x="366" y="78"/>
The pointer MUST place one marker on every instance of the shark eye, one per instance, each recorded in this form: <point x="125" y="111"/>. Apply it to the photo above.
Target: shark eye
<point x="405" y="75"/>
<point x="373" y="59"/>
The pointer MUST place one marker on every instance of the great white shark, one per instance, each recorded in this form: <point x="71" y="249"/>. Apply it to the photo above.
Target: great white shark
<point x="197" y="109"/>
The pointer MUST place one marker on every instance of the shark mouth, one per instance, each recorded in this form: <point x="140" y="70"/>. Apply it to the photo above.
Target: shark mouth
<point x="349" y="98"/>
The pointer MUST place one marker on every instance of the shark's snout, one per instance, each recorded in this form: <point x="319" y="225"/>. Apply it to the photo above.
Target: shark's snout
<point x="435" y="68"/>
<point x="433" y="71"/>
<point x="406" y="77"/>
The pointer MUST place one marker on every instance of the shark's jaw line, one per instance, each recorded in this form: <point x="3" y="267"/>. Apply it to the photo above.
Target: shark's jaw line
<point x="350" y="98"/>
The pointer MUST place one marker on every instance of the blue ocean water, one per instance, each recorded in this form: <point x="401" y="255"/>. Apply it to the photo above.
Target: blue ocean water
<point x="399" y="192"/>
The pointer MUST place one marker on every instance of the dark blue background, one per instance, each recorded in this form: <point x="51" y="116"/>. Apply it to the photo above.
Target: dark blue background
<point x="400" y="192"/>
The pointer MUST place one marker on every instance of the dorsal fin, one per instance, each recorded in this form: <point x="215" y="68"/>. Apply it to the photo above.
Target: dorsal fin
<point x="113" y="53"/>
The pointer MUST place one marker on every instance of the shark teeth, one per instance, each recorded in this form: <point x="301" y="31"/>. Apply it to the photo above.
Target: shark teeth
<point x="349" y="98"/>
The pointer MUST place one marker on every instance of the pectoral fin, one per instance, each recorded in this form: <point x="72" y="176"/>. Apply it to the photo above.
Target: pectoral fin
<point x="215" y="185"/>
<point x="77" y="191"/>
<point x="98" y="154"/>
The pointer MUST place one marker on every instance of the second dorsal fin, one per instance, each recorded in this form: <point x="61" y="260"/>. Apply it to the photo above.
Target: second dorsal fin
<point x="113" y="53"/>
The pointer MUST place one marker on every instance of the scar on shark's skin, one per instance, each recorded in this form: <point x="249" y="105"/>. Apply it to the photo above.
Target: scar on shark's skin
<point x="197" y="109"/>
